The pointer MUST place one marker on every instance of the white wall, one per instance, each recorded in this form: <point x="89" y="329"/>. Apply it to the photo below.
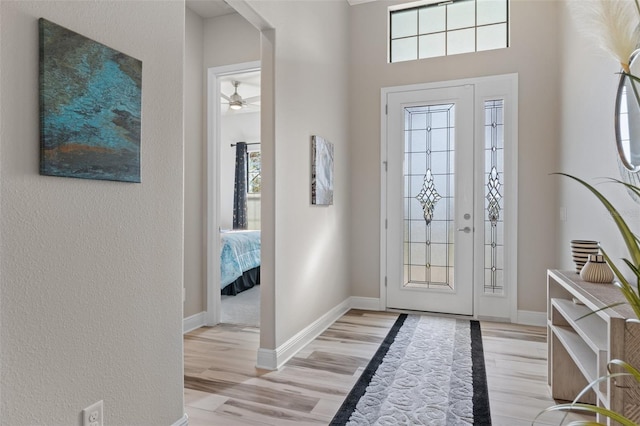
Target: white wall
<point x="587" y="149"/>
<point x="195" y="166"/>
<point x="311" y="243"/>
<point x="90" y="297"/>
<point x="230" y="39"/>
<point x="533" y="54"/>
<point x="243" y="127"/>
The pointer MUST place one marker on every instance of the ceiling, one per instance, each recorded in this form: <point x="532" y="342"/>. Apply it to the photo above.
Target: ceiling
<point x="213" y="8"/>
<point x="210" y="8"/>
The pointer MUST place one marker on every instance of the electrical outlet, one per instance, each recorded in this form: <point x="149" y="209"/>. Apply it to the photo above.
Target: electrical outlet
<point x="92" y="415"/>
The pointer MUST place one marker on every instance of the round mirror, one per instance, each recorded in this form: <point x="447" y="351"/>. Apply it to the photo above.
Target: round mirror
<point x="628" y="117"/>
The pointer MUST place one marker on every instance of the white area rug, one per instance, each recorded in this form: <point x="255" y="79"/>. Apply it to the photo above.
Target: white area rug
<point x="428" y="371"/>
<point x="243" y="308"/>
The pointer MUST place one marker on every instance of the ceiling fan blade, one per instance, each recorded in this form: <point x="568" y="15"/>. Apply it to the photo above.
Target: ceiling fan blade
<point x="225" y="97"/>
<point x="251" y="99"/>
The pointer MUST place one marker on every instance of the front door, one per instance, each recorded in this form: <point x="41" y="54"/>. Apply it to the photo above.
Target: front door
<point x="430" y="223"/>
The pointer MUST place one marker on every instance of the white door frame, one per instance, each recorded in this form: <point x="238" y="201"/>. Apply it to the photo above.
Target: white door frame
<point x="500" y="307"/>
<point x="212" y="316"/>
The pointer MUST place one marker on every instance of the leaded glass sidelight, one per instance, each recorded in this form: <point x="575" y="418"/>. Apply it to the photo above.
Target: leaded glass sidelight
<point x="494" y="211"/>
<point x="428" y="196"/>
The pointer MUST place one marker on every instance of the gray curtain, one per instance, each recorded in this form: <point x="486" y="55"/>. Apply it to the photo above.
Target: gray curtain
<point x="240" y="188"/>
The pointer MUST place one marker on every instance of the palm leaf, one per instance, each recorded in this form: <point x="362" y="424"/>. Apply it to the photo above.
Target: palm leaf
<point x="613" y="305"/>
<point x="587" y="408"/>
<point x="590" y="386"/>
<point x="630" y="368"/>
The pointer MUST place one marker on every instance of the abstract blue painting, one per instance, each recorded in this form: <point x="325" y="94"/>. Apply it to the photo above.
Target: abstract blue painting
<point x="321" y="171"/>
<point x="90" y="108"/>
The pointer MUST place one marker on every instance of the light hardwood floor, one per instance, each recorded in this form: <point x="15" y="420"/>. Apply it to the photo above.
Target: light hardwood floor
<point x="223" y="387"/>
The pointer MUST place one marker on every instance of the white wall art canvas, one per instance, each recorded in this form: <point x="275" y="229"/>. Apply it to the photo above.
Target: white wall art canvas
<point x="321" y="171"/>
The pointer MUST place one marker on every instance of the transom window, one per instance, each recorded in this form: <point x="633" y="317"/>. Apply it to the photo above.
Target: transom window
<point x="447" y="28"/>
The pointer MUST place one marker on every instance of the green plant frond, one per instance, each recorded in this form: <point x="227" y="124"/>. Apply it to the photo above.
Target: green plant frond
<point x="613" y="305"/>
<point x="616" y="271"/>
<point x="590" y="409"/>
<point x="624" y="286"/>
<point x="629" y="186"/>
<point x="593" y="384"/>
<point x="631" y="76"/>
<point x="634" y="268"/>
<point x="631" y="293"/>
<point x="630" y="368"/>
<point x="627" y="235"/>
<point x="628" y="291"/>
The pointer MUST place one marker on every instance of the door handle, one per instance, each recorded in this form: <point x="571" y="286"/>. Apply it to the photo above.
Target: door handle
<point x="466" y="229"/>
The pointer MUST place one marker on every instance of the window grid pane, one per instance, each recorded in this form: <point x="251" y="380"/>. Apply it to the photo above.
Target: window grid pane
<point x="491" y="37"/>
<point x="435" y="30"/>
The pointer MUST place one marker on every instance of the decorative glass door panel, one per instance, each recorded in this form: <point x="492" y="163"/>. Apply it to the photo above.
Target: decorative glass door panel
<point x="494" y="220"/>
<point x="429" y="202"/>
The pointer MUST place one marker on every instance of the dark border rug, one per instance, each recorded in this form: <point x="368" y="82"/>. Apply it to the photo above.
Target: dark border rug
<point x="405" y="381"/>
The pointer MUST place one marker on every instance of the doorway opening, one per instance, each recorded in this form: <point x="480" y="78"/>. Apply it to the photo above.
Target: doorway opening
<point x="234" y="136"/>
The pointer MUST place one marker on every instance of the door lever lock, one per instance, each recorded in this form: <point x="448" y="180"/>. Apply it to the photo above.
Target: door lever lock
<point x="466" y="229"/>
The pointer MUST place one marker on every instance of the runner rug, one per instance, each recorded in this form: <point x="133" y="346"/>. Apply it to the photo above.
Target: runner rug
<point x="428" y="371"/>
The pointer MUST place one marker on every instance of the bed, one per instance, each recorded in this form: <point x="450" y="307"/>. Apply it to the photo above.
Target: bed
<point x="239" y="261"/>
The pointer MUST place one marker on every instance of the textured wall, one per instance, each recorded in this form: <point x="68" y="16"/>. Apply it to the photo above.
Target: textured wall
<point x="90" y="297"/>
<point x="230" y="39"/>
<point x="195" y="171"/>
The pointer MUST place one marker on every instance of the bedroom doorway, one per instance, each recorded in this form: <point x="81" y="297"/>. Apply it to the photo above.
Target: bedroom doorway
<point x="234" y="125"/>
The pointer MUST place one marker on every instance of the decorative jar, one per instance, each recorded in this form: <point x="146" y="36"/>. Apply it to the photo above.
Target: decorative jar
<point x="596" y="270"/>
<point x="580" y="251"/>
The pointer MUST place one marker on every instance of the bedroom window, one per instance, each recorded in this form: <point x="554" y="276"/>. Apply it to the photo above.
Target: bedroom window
<point x="253" y="172"/>
<point x="447" y="28"/>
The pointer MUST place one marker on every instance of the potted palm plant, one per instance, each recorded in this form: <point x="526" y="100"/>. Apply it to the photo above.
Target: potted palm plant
<point x="631" y="292"/>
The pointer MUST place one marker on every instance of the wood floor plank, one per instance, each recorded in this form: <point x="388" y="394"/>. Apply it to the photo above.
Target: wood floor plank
<point x="223" y="386"/>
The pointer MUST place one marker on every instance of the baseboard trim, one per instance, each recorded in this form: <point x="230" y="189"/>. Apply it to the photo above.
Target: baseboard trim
<point x="184" y="421"/>
<point x="269" y="359"/>
<point x="532" y="318"/>
<point x="194" y="321"/>
<point x="365" y="303"/>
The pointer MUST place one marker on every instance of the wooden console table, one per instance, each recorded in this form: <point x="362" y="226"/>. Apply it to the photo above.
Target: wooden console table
<point x="580" y="349"/>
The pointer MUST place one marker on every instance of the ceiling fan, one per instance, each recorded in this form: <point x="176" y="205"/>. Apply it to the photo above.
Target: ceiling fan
<point x="236" y="101"/>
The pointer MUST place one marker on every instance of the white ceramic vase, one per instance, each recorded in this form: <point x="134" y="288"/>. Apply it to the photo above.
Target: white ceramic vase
<point x="596" y="270"/>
